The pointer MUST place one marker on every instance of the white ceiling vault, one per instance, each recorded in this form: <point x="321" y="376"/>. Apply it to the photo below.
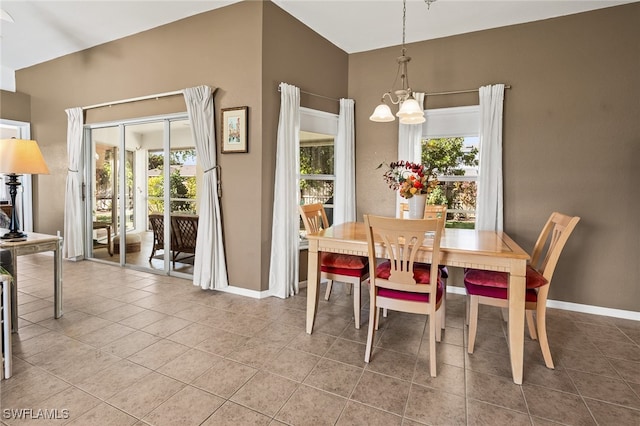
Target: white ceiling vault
<point x="46" y="29"/>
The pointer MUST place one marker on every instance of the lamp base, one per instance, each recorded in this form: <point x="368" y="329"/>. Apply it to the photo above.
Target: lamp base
<point x="13" y="235"/>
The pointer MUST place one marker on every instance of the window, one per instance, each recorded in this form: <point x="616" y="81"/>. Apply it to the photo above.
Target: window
<point x="182" y="187"/>
<point x="317" y="167"/>
<point x="450" y="144"/>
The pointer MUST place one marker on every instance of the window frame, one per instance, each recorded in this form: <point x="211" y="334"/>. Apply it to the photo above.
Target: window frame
<point x="450" y="123"/>
<point x="321" y="122"/>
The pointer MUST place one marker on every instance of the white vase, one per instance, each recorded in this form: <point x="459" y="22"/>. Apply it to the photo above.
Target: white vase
<point x="416" y="206"/>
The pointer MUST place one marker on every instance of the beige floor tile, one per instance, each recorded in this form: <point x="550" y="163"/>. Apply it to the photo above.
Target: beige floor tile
<point x="225" y="377"/>
<point x="448" y="377"/>
<point x="265" y="393"/>
<point x="221" y="342"/>
<point x="104" y="415"/>
<point x="158" y="354"/>
<point x="120" y="313"/>
<point x="166" y="326"/>
<point x="384" y="392"/>
<point x="308" y="406"/>
<point x="192" y="334"/>
<point x="142" y="319"/>
<point x="431" y="406"/>
<point x="605" y="389"/>
<point x="29" y="388"/>
<point x="190" y="406"/>
<point x="495" y="390"/>
<point x="316" y="343"/>
<point x="628" y="370"/>
<point x="392" y="363"/>
<point x="355" y="414"/>
<point x="105" y="335"/>
<point x="120" y="375"/>
<point x="334" y="377"/>
<point x="190" y="365"/>
<point x="130" y="344"/>
<point x="347" y="351"/>
<point x="255" y="352"/>
<point x="231" y="414"/>
<point x="145" y="395"/>
<point x="292" y="364"/>
<point x="480" y="413"/>
<point x="611" y="414"/>
<point x="557" y="406"/>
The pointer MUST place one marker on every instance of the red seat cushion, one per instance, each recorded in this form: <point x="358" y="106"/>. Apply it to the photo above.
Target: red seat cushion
<point x="344" y="271"/>
<point x="421" y="272"/>
<point x="497" y="292"/>
<point x="343" y="261"/>
<point x="422" y="275"/>
<point x="478" y="277"/>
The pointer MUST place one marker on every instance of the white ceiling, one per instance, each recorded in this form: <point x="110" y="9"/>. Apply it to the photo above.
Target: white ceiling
<point x="46" y="29"/>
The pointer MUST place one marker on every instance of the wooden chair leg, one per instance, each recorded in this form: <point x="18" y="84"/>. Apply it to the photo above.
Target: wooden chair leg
<point x="443" y="306"/>
<point x="432" y="344"/>
<point x="373" y="322"/>
<point x="377" y="318"/>
<point x="542" y="337"/>
<point x="327" y="294"/>
<point x="531" y="325"/>
<point x="437" y="317"/>
<point x="348" y="288"/>
<point x="473" y="322"/>
<point x="356" y="304"/>
<point x="384" y="312"/>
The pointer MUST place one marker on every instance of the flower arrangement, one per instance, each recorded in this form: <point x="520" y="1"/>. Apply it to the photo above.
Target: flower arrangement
<point x="409" y="178"/>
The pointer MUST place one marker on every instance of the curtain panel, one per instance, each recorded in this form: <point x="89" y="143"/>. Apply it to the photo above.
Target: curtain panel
<point x="73" y="246"/>
<point x="489" y="207"/>
<point x="210" y="267"/>
<point x="285" y="239"/>
<point x="409" y="146"/>
<point x="344" y="209"/>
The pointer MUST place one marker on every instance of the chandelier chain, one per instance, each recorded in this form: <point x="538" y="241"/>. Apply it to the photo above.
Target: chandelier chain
<point x="404" y="20"/>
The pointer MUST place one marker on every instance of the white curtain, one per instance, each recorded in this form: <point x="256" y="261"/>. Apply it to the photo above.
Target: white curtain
<point x="210" y="268"/>
<point x="409" y="147"/>
<point x="283" y="268"/>
<point x="344" y="203"/>
<point x="489" y="211"/>
<point x="73" y="247"/>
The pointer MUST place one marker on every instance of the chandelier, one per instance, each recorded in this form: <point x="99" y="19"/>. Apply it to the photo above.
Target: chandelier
<point x="410" y="111"/>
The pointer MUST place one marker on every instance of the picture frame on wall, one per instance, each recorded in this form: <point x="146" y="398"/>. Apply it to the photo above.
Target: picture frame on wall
<point x="234" y="123"/>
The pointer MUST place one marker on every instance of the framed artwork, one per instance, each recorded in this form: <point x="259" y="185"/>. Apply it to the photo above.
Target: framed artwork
<point x="234" y="130"/>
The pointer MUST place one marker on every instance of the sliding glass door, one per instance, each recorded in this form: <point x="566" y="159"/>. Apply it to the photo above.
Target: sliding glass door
<point x="130" y="222"/>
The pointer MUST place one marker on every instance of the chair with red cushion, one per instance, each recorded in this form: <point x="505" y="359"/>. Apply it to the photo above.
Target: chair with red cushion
<point x="400" y="283"/>
<point x="345" y="268"/>
<point x="431" y="211"/>
<point x="490" y="287"/>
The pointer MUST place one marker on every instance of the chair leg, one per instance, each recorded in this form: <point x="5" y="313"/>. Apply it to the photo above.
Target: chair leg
<point x="531" y="325"/>
<point x="384" y="312"/>
<point x="433" y="326"/>
<point x="473" y="322"/>
<point x="357" y="300"/>
<point x="373" y="321"/>
<point x="348" y="288"/>
<point x="328" y="292"/>
<point x="377" y="318"/>
<point x="443" y="306"/>
<point x="437" y="318"/>
<point x="542" y="336"/>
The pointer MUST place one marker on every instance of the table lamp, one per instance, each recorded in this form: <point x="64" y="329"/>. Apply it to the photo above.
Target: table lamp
<point x="18" y="157"/>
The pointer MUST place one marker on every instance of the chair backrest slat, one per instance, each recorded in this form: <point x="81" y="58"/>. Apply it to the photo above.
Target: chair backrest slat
<point x="551" y="242"/>
<point x="314" y="217"/>
<point x="401" y="241"/>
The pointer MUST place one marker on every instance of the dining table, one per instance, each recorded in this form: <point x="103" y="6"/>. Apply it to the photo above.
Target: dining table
<point x="463" y="248"/>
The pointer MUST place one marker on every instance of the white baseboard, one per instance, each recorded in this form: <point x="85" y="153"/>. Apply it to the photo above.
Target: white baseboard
<point x="574" y="307"/>
<point x="254" y="294"/>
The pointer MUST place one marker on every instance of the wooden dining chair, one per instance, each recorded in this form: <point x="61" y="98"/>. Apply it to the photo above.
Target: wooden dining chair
<point x="349" y="269"/>
<point x="400" y="283"/>
<point x="433" y="211"/>
<point x="490" y="287"/>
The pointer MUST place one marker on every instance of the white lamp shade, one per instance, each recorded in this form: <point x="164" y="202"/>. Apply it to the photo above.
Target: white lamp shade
<point x="19" y="156"/>
<point x="410" y="107"/>
<point x="382" y="114"/>
<point x="413" y="120"/>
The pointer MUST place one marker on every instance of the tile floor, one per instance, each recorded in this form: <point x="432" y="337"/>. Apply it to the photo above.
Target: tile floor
<point x="135" y="349"/>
